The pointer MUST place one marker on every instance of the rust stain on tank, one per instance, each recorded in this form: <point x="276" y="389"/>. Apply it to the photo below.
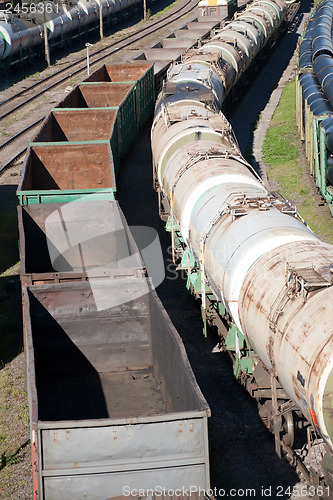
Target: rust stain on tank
<point x="298" y="389"/>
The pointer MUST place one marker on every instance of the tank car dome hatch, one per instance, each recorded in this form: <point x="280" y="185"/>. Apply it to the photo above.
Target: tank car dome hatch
<point x="260" y="21"/>
<point x="195" y="77"/>
<point x="233" y="55"/>
<point x="238" y="39"/>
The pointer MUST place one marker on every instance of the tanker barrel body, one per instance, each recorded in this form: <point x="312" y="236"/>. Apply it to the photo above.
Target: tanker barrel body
<point x="271" y="272"/>
<point x="285" y="307"/>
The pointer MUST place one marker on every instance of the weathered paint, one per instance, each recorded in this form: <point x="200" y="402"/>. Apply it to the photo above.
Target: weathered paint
<point x="66" y="170"/>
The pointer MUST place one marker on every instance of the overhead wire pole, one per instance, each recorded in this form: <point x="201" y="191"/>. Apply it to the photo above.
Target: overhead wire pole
<point x="46" y="42"/>
<point x="88" y="64"/>
<point x="100" y="20"/>
<point x="144" y="9"/>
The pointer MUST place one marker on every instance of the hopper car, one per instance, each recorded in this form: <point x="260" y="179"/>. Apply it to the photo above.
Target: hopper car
<point x="95" y="124"/>
<point x="112" y="398"/>
<point x="22" y="29"/>
<point x="315" y="97"/>
<point x="264" y="279"/>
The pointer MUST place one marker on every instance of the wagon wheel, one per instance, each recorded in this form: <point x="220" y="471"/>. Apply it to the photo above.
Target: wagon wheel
<point x="288" y="429"/>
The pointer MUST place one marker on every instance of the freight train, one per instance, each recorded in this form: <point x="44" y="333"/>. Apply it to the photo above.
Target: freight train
<point x="265" y="280"/>
<point x="315" y="97"/>
<point x="22" y="26"/>
<point x="112" y="398"/>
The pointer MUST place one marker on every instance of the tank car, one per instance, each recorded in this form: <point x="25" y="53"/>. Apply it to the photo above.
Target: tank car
<point x="21" y="33"/>
<point x="265" y="280"/>
<point x="14" y="34"/>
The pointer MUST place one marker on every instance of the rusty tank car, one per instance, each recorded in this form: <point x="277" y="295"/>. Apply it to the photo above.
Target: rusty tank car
<point x="264" y="278"/>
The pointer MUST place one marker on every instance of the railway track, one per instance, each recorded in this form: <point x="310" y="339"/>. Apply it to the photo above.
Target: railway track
<point x="15" y="147"/>
<point x="20" y="99"/>
<point x="10" y="153"/>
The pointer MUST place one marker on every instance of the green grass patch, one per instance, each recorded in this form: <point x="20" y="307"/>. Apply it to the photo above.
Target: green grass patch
<point x="287" y="166"/>
<point x="162" y="12"/>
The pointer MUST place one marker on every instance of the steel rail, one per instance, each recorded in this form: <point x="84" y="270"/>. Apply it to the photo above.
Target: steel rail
<point x="188" y="6"/>
<point x="16" y="136"/>
<point x="12" y="160"/>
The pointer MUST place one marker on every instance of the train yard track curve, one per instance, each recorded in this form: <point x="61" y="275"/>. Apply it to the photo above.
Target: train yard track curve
<point x="23" y="97"/>
<point x="10" y="106"/>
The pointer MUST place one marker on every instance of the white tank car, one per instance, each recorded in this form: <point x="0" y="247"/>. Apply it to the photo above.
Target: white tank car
<point x="271" y="273"/>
